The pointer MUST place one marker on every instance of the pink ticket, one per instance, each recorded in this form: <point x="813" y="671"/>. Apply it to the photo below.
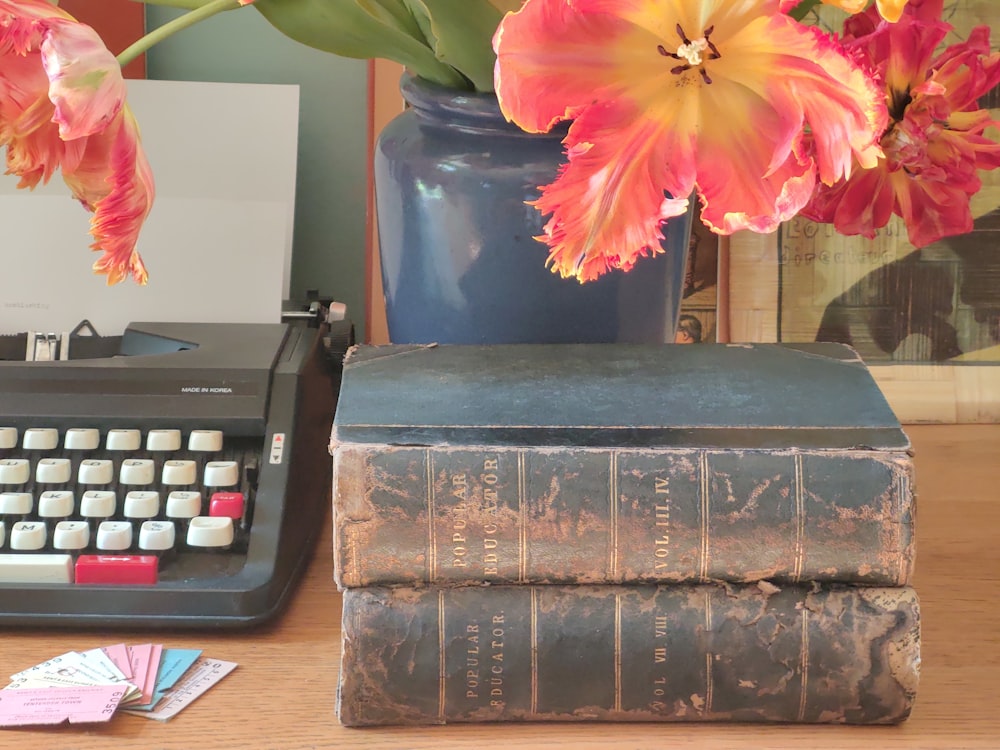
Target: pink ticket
<point x="55" y="705"/>
<point x="139" y="659"/>
<point x="150" y="682"/>
<point x="119" y="655"/>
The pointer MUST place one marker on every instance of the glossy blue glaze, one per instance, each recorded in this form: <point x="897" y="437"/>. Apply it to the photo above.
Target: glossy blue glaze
<point x="459" y="260"/>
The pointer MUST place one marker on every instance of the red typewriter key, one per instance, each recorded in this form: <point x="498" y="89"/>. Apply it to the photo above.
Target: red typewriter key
<point x="226" y="504"/>
<point x="127" y="569"/>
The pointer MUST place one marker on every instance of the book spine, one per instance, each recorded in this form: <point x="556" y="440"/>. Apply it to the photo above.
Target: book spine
<point x="445" y="515"/>
<point x="702" y="652"/>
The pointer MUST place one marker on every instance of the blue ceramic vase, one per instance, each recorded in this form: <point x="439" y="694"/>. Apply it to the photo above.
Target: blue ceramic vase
<point x="460" y="264"/>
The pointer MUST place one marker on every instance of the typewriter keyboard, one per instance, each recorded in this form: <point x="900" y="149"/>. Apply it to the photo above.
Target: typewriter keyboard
<point x="122" y="506"/>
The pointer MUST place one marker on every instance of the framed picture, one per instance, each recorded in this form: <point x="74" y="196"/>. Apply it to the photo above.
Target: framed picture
<point x="701" y="317"/>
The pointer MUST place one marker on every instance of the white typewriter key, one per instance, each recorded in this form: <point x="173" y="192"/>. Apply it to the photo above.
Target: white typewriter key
<point x="163" y="440"/>
<point x="210" y="531"/>
<point x="222" y="474"/>
<point x="27" y="535"/>
<point x="98" y="504"/>
<point x="156" y="536"/>
<point x="14" y="470"/>
<point x="53" y="471"/>
<point x="114" y="536"/>
<point x="36" y="569"/>
<point x="16" y="503"/>
<point x="123" y="440"/>
<point x="96" y="471"/>
<point x="205" y="440"/>
<point x="82" y="439"/>
<point x="8" y="437"/>
<point x="181" y="504"/>
<point x="137" y="471"/>
<point x="40" y="439"/>
<point x="180" y="472"/>
<point x="141" y="504"/>
<point x="71" y="535"/>
<point x="56" y="504"/>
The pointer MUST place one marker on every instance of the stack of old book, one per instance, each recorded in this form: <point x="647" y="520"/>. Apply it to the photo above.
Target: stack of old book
<point x="622" y="533"/>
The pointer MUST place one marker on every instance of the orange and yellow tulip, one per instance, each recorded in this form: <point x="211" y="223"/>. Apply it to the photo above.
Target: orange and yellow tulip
<point x="673" y="97"/>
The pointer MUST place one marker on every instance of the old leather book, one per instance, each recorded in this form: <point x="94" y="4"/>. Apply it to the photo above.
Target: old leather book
<point x="618" y="464"/>
<point x="703" y="652"/>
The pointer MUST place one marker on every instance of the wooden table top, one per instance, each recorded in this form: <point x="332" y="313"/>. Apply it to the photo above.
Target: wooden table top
<point x="282" y="694"/>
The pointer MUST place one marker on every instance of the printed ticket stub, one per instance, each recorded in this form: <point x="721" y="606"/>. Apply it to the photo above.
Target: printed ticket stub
<point x="118" y="654"/>
<point x="54" y="705"/>
<point x="204" y="674"/>
<point x="97" y="659"/>
<point x="174" y="663"/>
<point x="146" y="679"/>
<point x="68" y="668"/>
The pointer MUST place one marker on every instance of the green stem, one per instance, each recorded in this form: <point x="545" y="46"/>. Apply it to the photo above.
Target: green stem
<point x="172" y="27"/>
<point x="801" y="10"/>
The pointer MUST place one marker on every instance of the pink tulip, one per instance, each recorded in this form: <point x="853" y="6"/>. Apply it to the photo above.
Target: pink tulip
<point x="935" y="143"/>
<point x="62" y="107"/>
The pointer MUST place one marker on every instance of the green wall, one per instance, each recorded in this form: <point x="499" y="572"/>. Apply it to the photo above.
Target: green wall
<point x="241" y="47"/>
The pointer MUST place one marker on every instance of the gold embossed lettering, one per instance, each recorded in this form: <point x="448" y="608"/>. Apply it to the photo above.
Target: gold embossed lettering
<point x="472" y="660"/>
<point x="661" y="626"/>
<point x="496" y="656"/>
<point x="661" y="518"/>
<point x="491" y="567"/>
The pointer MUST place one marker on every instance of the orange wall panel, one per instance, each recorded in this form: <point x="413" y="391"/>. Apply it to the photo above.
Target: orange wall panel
<point x="119" y="22"/>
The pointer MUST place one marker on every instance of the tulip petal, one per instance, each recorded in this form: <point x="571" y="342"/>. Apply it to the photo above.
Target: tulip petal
<point x="552" y="61"/>
<point x="608" y="202"/>
<point x="119" y="212"/>
<point x="890" y="10"/>
<point x="85" y="80"/>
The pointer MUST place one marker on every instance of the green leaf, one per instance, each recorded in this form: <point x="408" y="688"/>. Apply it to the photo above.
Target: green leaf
<point x="800" y="11"/>
<point x="393" y="13"/>
<point x="422" y="18"/>
<point x="360" y="29"/>
<point x="506" y="5"/>
<point x="462" y="35"/>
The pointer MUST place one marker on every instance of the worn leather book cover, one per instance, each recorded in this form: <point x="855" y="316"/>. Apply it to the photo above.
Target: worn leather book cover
<point x="618" y="464"/>
<point x="704" y="652"/>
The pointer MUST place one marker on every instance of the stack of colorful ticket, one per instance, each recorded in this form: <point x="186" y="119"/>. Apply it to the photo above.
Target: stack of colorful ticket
<point x="90" y="686"/>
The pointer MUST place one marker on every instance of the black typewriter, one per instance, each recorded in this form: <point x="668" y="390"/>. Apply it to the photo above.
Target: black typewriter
<point x="176" y="475"/>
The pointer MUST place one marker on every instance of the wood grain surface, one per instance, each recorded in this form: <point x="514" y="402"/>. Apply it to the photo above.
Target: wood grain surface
<point x="282" y="694"/>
